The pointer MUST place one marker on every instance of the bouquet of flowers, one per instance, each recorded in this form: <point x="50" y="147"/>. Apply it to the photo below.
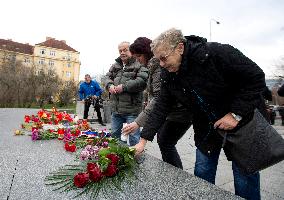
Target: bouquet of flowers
<point x="103" y="165"/>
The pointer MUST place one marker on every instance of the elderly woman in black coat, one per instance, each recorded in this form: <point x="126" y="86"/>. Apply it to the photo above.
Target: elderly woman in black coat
<point x="220" y="86"/>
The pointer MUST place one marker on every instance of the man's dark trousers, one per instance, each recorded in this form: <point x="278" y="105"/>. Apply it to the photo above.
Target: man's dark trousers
<point x="97" y="109"/>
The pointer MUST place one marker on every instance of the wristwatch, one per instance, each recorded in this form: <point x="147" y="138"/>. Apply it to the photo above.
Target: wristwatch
<point x="237" y="117"/>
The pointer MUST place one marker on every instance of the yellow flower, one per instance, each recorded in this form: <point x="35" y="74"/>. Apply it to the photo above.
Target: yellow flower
<point x="18" y="132"/>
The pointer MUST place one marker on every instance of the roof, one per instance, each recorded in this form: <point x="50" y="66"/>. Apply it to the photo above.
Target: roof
<point x="57" y="44"/>
<point x="10" y="45"/>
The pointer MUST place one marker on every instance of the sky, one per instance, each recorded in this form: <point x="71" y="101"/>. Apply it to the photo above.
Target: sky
<point x="95" y="28"/>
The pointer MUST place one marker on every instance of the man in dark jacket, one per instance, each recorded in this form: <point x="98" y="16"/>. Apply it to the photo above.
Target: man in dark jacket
<point x="90" y="92"/>
<point x="220" y="86"/>
<point x="281" y="91"/>
<point x="126" y="81"/>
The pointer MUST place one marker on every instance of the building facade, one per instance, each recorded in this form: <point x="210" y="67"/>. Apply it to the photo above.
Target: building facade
<point x="50" y="54"/>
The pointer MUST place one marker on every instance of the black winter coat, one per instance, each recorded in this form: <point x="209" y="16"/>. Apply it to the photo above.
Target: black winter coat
<point x="220" y="76"/>
<point x="281" y="91"/>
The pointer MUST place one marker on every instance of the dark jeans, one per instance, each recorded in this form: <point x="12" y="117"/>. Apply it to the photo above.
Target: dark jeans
<point x="281" y="112"/>
<point x="167" y="137"/>
<point x="246" y="186"/>
<point x="97" y="109"/>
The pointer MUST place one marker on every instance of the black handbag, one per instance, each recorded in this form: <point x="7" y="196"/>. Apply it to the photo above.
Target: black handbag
<point x="254" y="146"/>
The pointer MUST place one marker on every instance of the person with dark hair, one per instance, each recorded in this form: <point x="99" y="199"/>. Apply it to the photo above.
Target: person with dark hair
<point x="125" y="81"/>
<point x="281" y="91"/>
<point x="267" y="94"/>
<point x="90" y="92"/>
<point x="177" y="121"/>
<point x="220" y="86"/>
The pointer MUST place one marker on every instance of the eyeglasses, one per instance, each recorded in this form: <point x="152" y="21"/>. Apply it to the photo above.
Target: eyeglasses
<point x="165" y="57"/>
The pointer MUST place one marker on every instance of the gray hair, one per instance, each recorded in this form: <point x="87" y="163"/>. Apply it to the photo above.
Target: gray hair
<point x="124" y="42"/>
<point x="168" y="39"/>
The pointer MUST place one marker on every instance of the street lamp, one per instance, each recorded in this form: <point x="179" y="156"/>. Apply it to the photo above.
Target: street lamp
<point x="217" y="22"/>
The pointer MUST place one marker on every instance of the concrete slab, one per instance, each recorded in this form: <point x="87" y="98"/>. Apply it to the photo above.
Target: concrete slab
<point x="224" y="173"/>
<point x="271" y="181"/>
<point x="7" y="170"/>
<point x="157" y="180"/>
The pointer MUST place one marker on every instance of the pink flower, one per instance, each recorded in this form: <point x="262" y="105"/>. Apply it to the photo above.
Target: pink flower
<point x="35" y="135"/>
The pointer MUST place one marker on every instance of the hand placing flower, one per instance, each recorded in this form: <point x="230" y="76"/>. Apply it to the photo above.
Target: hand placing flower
<point x="130" y="128"/>
<point x="140" y="146"/>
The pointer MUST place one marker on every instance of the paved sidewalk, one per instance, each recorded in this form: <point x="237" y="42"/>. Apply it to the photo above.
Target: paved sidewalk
<point x="272" y="179"/>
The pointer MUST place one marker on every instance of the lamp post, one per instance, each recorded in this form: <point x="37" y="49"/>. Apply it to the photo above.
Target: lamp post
<point x="217" y="22"/>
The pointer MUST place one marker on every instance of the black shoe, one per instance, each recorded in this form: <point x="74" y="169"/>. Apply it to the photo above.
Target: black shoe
<point x="102" y="123"/>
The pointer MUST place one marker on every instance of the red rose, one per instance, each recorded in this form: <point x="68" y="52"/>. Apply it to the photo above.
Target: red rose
<point x="77" y="132"/>
<point x="71" y="148"/>
<point x="113" y="157"/>
<point x="27" y="118"/>
<point x="95" y="174"/>
<point x="60" y="131"/>
<point x="111" y="170"/>
<point x="66" y="146"/>
<point x="91" y="166"/>
<point x="81" y="179"/>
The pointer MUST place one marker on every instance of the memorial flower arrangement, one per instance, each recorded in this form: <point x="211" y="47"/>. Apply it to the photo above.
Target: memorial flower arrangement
<point x="102" y="161"/>
<point x="52" y="124"/>
<point x="103" y="165"/>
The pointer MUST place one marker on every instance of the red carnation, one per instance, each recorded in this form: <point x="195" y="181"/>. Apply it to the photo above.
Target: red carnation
<point x="111" y="170"/>
<point x="71" y="148"/>
<point x="91" y="166"/>
<point x="81" y="179"/>
<point x="27" y="118"/>
<point x="113" y="157"/>
<point x="95" y="174"/>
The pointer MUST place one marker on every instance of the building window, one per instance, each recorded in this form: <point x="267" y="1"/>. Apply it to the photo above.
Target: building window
<point x="11" y="57"/>
<point x="52" y="53"/>
<point x="27" y="60"/>
<point x="68" y="74"/>
<point x="68" y="56"/>
<point x="41" y="62"/>
<point x="42" y="51"/>
<point x="69" y="64"/>
<point x="51" y="63"/>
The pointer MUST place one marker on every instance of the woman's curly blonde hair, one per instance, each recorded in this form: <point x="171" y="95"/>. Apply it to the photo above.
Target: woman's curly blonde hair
<point x="168" y="39"/>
